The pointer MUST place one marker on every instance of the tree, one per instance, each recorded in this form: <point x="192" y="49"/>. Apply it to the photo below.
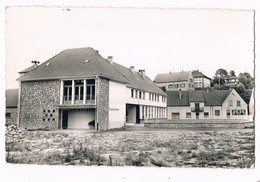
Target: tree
<point x="246" y="79"/>
<point x="240" y="88"/>
<point x="221" y="72"/>
<point x="232" y="73"/>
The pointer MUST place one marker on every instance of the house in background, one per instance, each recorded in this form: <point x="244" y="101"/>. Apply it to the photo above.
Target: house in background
<point x="80" y="89"/>
<point x="206" y="104"/>
<point x="200" y="80"/>
<point x="174" y="81"/>
<point x="230" y="81"/>
<point x="11" y="111"/>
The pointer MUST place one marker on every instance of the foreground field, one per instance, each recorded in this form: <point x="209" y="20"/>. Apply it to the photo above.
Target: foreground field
<point x="168" y="148"/>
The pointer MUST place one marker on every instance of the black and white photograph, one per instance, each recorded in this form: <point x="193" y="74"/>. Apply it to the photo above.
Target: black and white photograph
<point x="136" y="88"/>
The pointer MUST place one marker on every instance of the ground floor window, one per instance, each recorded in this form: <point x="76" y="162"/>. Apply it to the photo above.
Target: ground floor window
<point x="8" y="115"/>
<point x="188" y="115"/>
<point x="206" y="115"/>
<point x="175" y="115"/>
<point x="217" y="112"/>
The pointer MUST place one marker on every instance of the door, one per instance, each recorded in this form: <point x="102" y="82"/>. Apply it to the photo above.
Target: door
<point x="137" y="114"/>
<point x="64" y="119"/>
<point x="228" y="114"/>
<point x="197" y="115"/>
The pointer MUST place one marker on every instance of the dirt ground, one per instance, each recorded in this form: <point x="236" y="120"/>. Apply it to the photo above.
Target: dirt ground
<point x="211" y="148"/>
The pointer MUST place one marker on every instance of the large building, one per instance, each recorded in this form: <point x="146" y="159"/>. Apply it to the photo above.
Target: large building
<point x="206" y="104"/>
<point x="174" y="81"/>
<point x="11" y="112"/>
<point x="201" y="81"/>
<point x="80" y="89"/>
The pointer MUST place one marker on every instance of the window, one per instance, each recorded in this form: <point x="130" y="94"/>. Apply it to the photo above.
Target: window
<point x="67" y="90"/>
<point x="176" y="85"/>
<point x="206" y="115"/>
<point x="140" y="94"/>
<point x="90" y="90"/>
<point x="230" y="103"/>
<point x="197" y="106"/>
<point x="79" y="85"/>
<point x="132" y="93"/>
<point x="182" y="85"/>
<point x="175" y="115"/>
<point x="8" y="115"/>
<point x="238" y="103"/>
<point x="136" y="93"/>
<point x="217" y="112"/>
<point x="170" y="86"/>
<point x="188" y="115"/>
<point x="143" y="95"/>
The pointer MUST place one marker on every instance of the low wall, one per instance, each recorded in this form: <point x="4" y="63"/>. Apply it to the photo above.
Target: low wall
<point x="200" y="124"/>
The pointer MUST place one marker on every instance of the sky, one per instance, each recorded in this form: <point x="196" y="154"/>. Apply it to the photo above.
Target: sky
<point x="155" y="39"/>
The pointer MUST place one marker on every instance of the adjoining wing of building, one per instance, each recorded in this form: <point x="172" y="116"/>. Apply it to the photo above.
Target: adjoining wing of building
<point x="206" y="104"/>
<point x="78" y="88"/>
<point x="174" y="81"/>
<point x="11" y="106"/>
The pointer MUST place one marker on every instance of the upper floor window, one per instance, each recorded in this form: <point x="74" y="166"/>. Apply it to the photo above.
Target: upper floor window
<point x="238" y="103"/>
<point x="140" y="94"/>
<point x="176" y="85"/>
<point x="170" y="86"/>
<point x="143" y="95"/>
<point x="182" y="85"/>
<point x="230" y="103"/>
<point x="136" y="93"/>
<point x="132" y="93"/>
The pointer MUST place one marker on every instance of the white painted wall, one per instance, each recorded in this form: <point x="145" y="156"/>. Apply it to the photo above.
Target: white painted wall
<point x="117" y="104"/>
<point x="146" y="101"/>
<point x="80" y="119"/>
<point x="234" y="96"/>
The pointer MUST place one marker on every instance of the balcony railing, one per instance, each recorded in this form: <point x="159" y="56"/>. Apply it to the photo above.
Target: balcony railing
<point x="67" y="100"/>
<point x="197" y="109"/>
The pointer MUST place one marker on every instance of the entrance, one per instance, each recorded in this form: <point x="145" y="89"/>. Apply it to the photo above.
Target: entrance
<point x="78" y="118"/>
<point x="132" y="113"/>
<point x="64" y="119"/>
<point x="197" y="115"/>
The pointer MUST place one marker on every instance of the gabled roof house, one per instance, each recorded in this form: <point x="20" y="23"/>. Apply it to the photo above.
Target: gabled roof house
<point x="78" y="88"/>
<point x="200" y="80"/>
<point x="175" y="81"/>
<point x="206" y="104"/>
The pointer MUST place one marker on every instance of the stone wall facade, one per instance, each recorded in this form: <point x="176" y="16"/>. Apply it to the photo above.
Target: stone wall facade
<point x="38" y="101"/>
<point x="102" y="112"/>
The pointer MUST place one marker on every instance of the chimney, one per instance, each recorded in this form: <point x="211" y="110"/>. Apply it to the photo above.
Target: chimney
<point x="132" y="68"/>
<point x="142" y="73"/>
<point x="179" y="93"/>
<point x="110" y="59"/>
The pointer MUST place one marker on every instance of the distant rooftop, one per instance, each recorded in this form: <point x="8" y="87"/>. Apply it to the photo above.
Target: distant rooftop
<point x="172" y="77"/>
<point x="11" y="96"/>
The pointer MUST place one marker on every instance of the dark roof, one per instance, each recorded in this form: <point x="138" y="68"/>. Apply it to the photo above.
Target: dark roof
<point x="197" y="74"/>
<point x="28" y="69"/>
<point x="211" y="98"/>
<point x="71" y="63"/>
<point x="11" y="96"/>
<point x="174" y="98"/>
<point x="172" y="77"/>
